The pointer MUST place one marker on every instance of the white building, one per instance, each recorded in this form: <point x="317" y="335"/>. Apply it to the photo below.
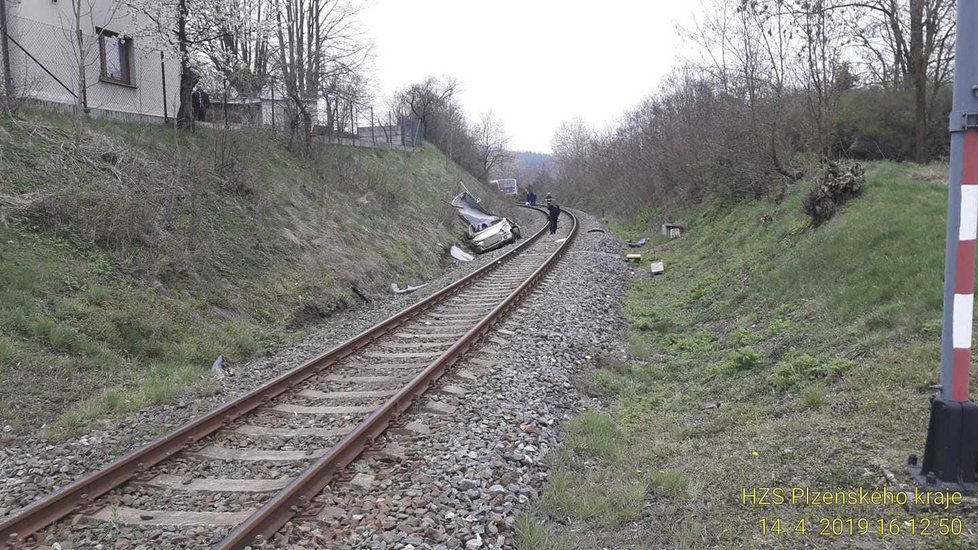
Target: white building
<point x="125" y="74"/>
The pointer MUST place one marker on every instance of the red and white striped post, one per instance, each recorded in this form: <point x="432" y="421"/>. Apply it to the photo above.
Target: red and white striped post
<point x="951" y="454"/>
<point x="963" y="301"/>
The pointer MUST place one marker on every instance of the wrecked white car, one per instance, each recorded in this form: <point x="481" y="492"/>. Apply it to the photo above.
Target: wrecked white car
<point x="486" y="232"/>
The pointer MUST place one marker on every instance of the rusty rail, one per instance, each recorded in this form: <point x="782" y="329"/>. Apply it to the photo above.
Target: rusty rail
<point x="297" y="496"/>
<point x="81" y="494"/>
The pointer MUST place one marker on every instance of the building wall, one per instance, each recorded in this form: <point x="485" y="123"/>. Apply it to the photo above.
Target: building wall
<point x="44" y="28"/>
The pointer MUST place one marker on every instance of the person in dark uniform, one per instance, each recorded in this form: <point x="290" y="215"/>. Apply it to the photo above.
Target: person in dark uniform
<point x="553" y="212"/>
<point x="200" y="101"/>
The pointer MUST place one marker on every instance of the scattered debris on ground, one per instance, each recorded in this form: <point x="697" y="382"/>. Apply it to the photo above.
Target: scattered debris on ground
<point x="838" y="184"/>
<point x="406" y="290"/>
<point x="461" y="255"/>
<point x="217" y="369"/>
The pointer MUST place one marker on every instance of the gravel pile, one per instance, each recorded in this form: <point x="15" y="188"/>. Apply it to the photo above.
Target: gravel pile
<point x="31" y="468"/>
<point x="463" y="484"/>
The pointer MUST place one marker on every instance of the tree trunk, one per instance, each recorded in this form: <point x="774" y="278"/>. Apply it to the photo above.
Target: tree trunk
<point x="918" y="77"/>
<point x="82" y="98"/>
<point x="185" y="114"/>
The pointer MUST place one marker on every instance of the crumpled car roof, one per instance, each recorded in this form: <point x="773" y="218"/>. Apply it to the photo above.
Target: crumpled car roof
<point x="472" y="212"/>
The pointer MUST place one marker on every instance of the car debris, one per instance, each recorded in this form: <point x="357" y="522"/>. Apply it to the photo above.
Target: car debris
<point x="217" y="369"/>
<point x="636" y="244"/>
<point x="486" y="231"/>
<point x="633" y="257"/>
<point x="360" y="294"/>
<point x="595" y="230"/>
<point x="461" y="255"/>
<point x="408" y="290"/>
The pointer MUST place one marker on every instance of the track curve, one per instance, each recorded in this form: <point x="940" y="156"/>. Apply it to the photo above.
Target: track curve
<point x="423" y="340"/>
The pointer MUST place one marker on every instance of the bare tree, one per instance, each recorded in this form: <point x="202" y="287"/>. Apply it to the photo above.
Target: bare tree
<point x="768" y="27"/>
<point x="423" y="99"/>
<point x="84" y="14"/>
<point x="169" y="23"/>
<point x="746" y="45"/>
<point x="492" y="142"/>
<point x="236" y="36"/>
<point x="573" y="145"/>
<point x="910" y="44"/>
<point x="823" y="72"/>
<point x="318" y="41"/>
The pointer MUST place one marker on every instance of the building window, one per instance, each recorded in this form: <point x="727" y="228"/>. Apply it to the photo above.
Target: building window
<point x="116" y="55"/>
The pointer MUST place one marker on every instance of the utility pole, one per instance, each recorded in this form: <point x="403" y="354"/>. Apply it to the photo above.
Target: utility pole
<point x="166" y="114"/>
<point x="8" y="79"/>
<point x="951" y="454"/>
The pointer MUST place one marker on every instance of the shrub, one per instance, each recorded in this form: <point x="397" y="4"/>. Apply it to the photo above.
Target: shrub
<point x="42" y="328"/>
<point x="698" y="342"/>
<point x="668" y="482"/>
<point x="8" y="353"/>
<point x="932" y="327"/>
<point x="102" y="265"/>
<point x="744" y="359"/>
<point x="112" y="399"/>
<point x="644" y="324"/>
<point x="777" y="327"/>
<point x="20" y="321"/>
<point x="609" y="362"/>
<point x="799" y="370"/>
<point x="97" y="295"/>
<point x="66" y="339"/>
<point x="741" y="337"/>
<point x="167" y="380"/>
<point x="813" y="396"/>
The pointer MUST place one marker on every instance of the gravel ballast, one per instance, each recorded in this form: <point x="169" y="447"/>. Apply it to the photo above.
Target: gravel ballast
<point x="31" y="468"/>
<point x="463" y="484"/>
<point x="468" y="458"/>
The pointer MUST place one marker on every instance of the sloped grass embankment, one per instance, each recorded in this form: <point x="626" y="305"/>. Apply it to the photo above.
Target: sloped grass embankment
<point x="769" y="355"/>
<point x="131" y="255"/>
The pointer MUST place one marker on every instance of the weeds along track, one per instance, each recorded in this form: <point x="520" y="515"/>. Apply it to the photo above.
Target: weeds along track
<point x="269" y="452"/>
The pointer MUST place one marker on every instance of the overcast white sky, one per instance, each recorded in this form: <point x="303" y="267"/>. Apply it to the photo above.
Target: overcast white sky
<point x="535" y="63"/>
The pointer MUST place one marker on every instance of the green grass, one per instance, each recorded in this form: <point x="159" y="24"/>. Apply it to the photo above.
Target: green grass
<point x="531" y="534"/>
<point x="596" y="500"/>
<point x="595" y="434"/>
<point x="768" y="354"/>
<point x="131" y="287"/>
<point x="813" y="396"/>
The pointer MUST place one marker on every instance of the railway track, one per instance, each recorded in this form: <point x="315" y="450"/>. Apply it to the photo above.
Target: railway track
<point x="275" y="448"/>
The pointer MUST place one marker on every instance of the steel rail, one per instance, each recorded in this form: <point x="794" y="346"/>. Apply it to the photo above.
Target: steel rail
<point x="80" y="495"/>
<point x="296" y="497"/>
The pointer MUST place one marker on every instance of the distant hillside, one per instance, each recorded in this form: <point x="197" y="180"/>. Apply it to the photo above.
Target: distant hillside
<point x="533" y="169"/>
<point x="132" y="255"/>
